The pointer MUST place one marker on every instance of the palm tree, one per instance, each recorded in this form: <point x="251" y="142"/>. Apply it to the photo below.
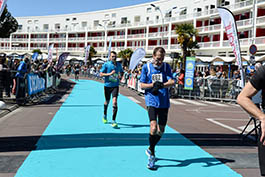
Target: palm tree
<point x="186" y="33"/>
<point x="125" y="55"/>
<point x="92" y="53"/>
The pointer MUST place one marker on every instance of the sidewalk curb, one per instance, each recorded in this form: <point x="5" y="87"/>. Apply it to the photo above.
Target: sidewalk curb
<point x="5" y="111"/>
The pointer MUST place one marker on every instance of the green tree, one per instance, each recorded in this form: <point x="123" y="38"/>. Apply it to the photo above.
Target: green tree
<point x="126" y="56"/>
<point x="37" y="50"/>
<point x="8" y="24"/>
<point x="186" y="33"/>
<point x="92" y="53"/>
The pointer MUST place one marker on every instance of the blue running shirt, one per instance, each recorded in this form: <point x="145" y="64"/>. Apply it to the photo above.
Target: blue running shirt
<point x="113" y="80"/>
<point x="150" y="76"/>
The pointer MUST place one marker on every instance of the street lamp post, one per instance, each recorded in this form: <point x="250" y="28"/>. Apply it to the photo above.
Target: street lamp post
<point x="105" y="30"/>
<point x="163" y="23"/>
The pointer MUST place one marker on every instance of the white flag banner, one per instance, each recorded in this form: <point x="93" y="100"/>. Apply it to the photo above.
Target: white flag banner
<point x="50" y="53"/>
<point x="231" y="32"/>
<point x="87" y="53"/>
<point x="136" y="57"/>
<point x="2" y="6"/>
<point x="109" y="50"/>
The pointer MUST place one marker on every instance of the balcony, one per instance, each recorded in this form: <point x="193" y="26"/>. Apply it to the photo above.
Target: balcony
<point x="243" y="42"/>
<point x="4" y="40"/>
<point x="209" y="44"/>
<point x="76" y="39"/>
<point x="152" y="47"/>
<point x="19" y="48"/>
<point x="57" y="39"/>
<point x="116" y="37"/>
<point x="20" y="39"/>
<point x="261" y="20"/>
<point x="99" y="49"/>
<point x="117" y="49"/>
<point x="131" y="36"/>
<point x="135" y="47"/>
<point x="158" y="34"/>
<point x="98" y="38"/>
<point x="260" y="1"/>
<point x="38" y="39"/>
<point x="240" y="5"/>
<point x="244" y="23"/>
<point x="41" y="48"/>
<point x="175" y="46"/>
<point x="260" y="40"/>
<point x="75" y="49"/>
<point x="209" y="28"/>
<point x="5" y="48"/>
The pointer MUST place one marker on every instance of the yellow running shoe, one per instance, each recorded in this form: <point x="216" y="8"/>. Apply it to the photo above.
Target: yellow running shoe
<point x="114" y="125"/>
<point x="104" y="120"/>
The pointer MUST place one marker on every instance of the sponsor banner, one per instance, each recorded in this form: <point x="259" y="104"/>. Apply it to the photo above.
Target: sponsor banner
<point x="61" y="60"/>
<point x="109" y="50"/>
<point x="136" y="57"/>
<point x="189" y="73"/>
<point x="50" y="53"/>
<point x="87" y="53"/>
<point x="35" y="56"/>
<point x="49" y="80"/>
<point x="231" y="32"/>
<point x="35" y="84"/>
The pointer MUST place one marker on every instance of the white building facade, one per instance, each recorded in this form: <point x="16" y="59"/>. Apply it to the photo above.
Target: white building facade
<point x="142" y="26"/>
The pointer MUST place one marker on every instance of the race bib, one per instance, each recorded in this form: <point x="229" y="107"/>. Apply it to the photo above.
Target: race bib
<point x="113" y="78"/>
<point x="157" y="77"/>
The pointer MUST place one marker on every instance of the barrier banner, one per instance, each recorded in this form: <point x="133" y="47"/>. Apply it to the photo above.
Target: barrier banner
<point x="189" y="73"/>
<point x="49" y="80"/>
<point x="87" y="54"/>
<point x="50" y="50"/>
<point x="35" y="84"/>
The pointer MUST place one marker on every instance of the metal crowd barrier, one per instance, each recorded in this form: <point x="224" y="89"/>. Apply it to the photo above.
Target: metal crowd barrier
<point x="205" y="89"/>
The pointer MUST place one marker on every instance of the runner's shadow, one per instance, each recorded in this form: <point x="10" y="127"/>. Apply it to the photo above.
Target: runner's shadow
<point x="207" y="162"/>
<point x="122" y="125"/>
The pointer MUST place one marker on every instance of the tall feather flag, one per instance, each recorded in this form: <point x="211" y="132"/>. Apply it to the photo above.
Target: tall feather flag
<point x="87" y="53"/>
<point x="61" y="60"/>
<point x="109" y="50"/>
<point x="2" y="6"/>
<point x="136" y="57"/>
<point x="50" y="53"/>
<point x="231" y="32"/>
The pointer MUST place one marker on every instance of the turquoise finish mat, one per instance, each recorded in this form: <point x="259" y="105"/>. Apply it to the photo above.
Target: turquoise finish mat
<point x="77" y="144"/>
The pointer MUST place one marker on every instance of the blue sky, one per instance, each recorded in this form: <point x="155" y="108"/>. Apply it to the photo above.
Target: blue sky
<point x="20" y="8"/>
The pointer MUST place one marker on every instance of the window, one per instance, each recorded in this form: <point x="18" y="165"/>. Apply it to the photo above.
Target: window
<point x="147" y="18"/>
<point x="113" y="15"/>
<point x="137" y="19"/>
<point x="124" y="20"/>
<point x="106" y="16"/>
<point x="20" y="27"/>
<point x="36" y="21"/>
<point x="29" y="21"/>
<point x="46" y="26"/>
<point x="157" y="17"/>
<point x="149" y="10"/>
<point x="57" y="26"/>
<point x="68" y="19"/>
<point x="184" y="11"/>
<point x="74" y="19"/>
<point x="84" y="24"/>
<point x="96" y="22"/>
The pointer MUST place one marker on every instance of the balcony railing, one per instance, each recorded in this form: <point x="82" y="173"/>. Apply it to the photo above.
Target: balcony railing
<point x="38" y="39"/>
<point x="117" y="37"/>
<point x="246" y="22"/>
<point x="158" y="34"/>
<point x="76" y="39"/>
<point x="261" y="20"/>
<point x="209" y="44"/>
<point x="75" y="49"/>
<point x="175" y="46"/>
<point x="19" y="48"/>
<point x="99" y="49"/>
<point x="96" y="38"/>
<point x="20" y="39"/>
<point x="243" y="42"/>
<point x="4" y="40"/>
<point x="261" y="1"/>
<point x="143" y="35"/>
<point x="41" y="48"/>
<point x="57" y="39"/>
<point x="209" y="28"/>
<point x="5" y="48"/>
<point x="135" y="47"/>
<point x="240" y="5"/>
<point x="260" y="40"/>
<point x="154" y="46"/>
<point x="117" y="48"/>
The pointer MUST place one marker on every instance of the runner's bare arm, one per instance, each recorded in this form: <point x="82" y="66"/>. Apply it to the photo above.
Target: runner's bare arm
<point x="169" y="83"/>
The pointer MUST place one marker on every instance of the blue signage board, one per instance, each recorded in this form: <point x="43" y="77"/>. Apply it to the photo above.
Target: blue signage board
<point x="35" y="84"/>
<point x="189" y="73"/>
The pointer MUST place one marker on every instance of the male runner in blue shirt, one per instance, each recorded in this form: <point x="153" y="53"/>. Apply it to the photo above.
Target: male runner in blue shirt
<point x="156" y="78"/>
<point x="112" y="72"/>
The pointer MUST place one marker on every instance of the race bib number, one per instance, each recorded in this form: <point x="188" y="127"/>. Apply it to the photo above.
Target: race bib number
<point x="157" y="77"/>
<point x="113" y="78"/>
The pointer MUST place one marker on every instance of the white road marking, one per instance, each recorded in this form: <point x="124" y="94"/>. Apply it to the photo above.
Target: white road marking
<point x="193" y="102"/>
<point x="134" y="100"/>
<point x="216" y="104"/>
<point x="224" y="126"/>
<point x="176" y="102"/>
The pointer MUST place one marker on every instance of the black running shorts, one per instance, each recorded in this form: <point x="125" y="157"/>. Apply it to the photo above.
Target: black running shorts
<point x="160" y="113"/>
<point x="111" y="90"/>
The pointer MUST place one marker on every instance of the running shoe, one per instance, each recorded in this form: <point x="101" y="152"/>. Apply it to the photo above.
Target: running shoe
<point x="104" y="120"/>
<point x="114" y="125"/>
<point x="151" y="163"/>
